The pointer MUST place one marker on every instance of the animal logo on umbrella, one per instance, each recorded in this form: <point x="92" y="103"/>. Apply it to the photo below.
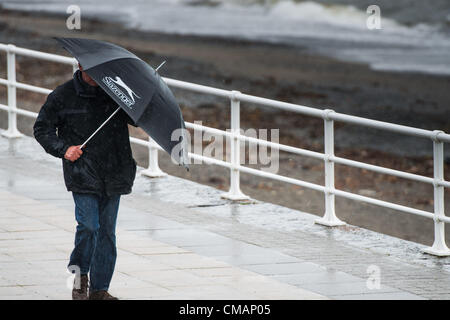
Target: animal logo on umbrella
<point x="112" y="84"/>
<point x="123" y="85"/>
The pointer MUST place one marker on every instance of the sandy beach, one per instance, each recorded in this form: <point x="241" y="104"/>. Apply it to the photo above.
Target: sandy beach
<point x="280" y="72"/>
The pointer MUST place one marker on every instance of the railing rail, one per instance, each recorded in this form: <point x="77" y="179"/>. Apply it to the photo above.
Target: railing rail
<point x="438" y="139"/>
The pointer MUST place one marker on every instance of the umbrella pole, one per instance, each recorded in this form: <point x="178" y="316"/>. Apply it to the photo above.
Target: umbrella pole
<point x="112" y="115"/>
<point x="98" y="129"/>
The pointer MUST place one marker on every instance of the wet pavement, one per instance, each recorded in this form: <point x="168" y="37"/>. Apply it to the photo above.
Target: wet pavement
<point x="180" y="240"/>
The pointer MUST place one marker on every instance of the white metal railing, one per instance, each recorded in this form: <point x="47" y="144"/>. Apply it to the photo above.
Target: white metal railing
<point x="438" y="139"/>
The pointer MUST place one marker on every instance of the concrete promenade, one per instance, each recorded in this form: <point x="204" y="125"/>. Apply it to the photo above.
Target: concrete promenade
<point x="179" y="240"/>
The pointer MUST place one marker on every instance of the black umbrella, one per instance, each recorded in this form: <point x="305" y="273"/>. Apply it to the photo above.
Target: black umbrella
<point x="137" y="88"/>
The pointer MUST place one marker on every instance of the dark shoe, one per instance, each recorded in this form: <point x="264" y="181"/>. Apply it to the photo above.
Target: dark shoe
<point x="101" y="295"/>
<point x="81" y="293"/>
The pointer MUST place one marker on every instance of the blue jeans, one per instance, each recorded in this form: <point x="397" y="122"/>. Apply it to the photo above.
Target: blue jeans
<point x="95" y="239"/>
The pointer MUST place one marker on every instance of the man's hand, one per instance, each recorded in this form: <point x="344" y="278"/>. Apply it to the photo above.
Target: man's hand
<point x="73" y="153"/>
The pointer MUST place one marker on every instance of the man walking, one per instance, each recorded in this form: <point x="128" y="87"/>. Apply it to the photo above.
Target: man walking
<point x="97" y="175"/>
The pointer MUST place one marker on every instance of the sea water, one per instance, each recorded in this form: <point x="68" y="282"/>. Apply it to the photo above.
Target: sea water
<point x="414" y="34"/>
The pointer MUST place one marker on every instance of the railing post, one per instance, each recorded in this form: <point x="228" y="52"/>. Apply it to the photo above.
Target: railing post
<point x="329" y="219"/>
<point x="12" y="131"/>
<point x="235" y="192"/>
<point x="74" y="66"/>
<point x="153" y="170"/>
<point x="439" y="247"/>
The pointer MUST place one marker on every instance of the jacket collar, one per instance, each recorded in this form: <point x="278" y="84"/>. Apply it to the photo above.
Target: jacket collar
<point x="82" y="88"/>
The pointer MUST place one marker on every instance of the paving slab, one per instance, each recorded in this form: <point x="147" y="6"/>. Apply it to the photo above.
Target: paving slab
<point x="37" y="236"/>
<point x="167" y="227"/>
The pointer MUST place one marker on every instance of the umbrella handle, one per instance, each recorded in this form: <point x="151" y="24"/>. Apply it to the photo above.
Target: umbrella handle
<point x="98" y="129"/>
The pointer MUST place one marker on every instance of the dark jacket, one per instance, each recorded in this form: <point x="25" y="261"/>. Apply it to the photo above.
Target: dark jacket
<point x="72" y="112"/>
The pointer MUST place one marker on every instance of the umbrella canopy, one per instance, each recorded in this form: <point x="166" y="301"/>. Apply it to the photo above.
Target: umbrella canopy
<point x="137" y="88"/>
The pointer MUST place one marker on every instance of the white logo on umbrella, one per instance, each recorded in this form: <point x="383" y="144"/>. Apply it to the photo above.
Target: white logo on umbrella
<point x="123" y="85"/>
<point x="113" y="85"/>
